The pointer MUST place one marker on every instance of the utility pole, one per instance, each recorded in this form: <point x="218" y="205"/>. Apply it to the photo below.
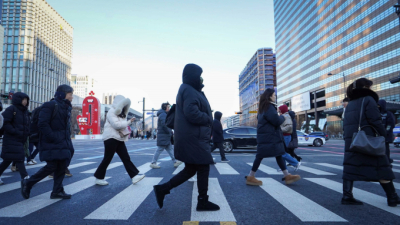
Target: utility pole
<point x="152" y="122"/>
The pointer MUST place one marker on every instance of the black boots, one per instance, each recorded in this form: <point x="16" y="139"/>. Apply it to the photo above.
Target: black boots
<point x="60" y="195"/>
<point x="25" y="191"/>
<point x="161" y="191"/>
<point x="204" y="205"/>
<point x="348" y="198"/>
<point x="392" y="197"/>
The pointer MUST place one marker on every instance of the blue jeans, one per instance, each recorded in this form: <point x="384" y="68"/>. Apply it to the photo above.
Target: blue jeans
<point x="292" y="161"/>
<point x="168" y="148"/>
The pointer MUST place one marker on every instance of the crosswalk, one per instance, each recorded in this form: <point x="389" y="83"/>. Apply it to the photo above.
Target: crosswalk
<point x="123" y="204"/>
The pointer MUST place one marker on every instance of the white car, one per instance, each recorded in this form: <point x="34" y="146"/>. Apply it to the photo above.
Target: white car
<point x="311" y="140"/>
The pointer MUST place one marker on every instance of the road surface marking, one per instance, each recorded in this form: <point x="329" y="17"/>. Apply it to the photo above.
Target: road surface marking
<point x="315" y="171"/>
<point x="111" y="166"/>
<point x="225" y="169"/>
<point x="268" y="170"/>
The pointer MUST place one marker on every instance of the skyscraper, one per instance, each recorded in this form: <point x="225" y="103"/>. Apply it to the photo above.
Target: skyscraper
<point x="258" y="75"/>
<point x="345" y="38"/>
<point x="83" y="85"/>
<point x="37" y="50"/>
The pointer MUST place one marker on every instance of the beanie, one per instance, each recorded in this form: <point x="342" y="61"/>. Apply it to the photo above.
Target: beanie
<point x="284" y="109"/>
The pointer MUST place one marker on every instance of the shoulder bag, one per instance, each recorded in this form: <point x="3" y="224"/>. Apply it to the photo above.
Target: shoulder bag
<point x="365" y="144"/>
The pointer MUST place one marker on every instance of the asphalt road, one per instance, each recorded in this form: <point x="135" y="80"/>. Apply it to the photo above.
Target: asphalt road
<point x="313" y="200"/>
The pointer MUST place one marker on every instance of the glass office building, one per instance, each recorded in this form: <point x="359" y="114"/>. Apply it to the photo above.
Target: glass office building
<point x="37" y="49"/>
<point x="258" y="75"/>
<point x="347" y="38"/>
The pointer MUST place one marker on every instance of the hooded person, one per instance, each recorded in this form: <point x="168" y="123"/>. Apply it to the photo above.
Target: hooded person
<point x="164" y="135"/>
<point x="16" y="133"/>
<point x="115" y="135"/>
<point x="294" y="143"/>
<point x="388" y="121"/>
<point x="55" y="145"/>
<point x="218" y="136"/>
<point x="192" y="127"/>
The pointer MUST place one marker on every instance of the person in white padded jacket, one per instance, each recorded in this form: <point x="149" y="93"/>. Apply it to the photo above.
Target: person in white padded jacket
<point x="114" y="136"/>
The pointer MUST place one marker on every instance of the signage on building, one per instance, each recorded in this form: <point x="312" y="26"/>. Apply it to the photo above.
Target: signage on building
<point x="301" y="102"/>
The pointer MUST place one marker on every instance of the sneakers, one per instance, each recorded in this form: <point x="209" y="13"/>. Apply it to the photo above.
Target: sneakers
<point x="1" y="182"/>
<point x="160" y="191"/>
<point x="30" y="163"/>
<point x="101" y="182"/>
<point x="251" y="180"/>
<point x="225" y="160"/>
<point x="204" y="205"/>
<point x="177" y="163"/>
<point x="60" y="195"/>
<point x="137" y="178"/>
<point x="25" y="191"/>
<point x="14" y="168"/>
<point x="291" y="178"/>
<point x="297" y="167"/>
<point x="34" y="161"/>
<point x="155" y="166"/>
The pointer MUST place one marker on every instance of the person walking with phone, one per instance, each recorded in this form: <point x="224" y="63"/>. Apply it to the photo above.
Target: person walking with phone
<point x="362" y="111"/>
<point x="115" y="135"/>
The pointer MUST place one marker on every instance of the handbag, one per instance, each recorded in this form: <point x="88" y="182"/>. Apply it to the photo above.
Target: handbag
<point x="123" y="133"/>
<point x="365" y="144"/>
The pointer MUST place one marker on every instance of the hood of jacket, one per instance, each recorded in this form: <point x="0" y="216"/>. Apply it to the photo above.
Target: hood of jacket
<point x="292" y="115"/>
<point x="218" y="115"/>
<point x="191" y="76"/>
<point x="17" y="99"/>
<point x="382" y="106"/>
<point x="121" y="104"/>
<point x="161" y="111"/>
<point x="363" y="92"/>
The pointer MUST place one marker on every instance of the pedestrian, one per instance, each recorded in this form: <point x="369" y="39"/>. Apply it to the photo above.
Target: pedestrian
<point x="358" y="166"/>
<point x="270" y="140"/>
<point x="164" y="138"/>
<point x="55" y="145"/>
<point x="115" y="135"/>
<point x="16" y="133"/>
<point x="287" y="130"/>
<point x="388" y="121"/>
<point x="218" y="136"/>
<point x="33" y="137"/>
<point x="294" y="143"/>
<point x="193" y="121"/>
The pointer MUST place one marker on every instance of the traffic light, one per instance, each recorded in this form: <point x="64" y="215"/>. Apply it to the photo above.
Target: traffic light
<point x="238" y="113"/>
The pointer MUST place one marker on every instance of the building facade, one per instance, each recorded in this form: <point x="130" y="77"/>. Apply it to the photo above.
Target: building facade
<point x="83" y="85"/>
<point x="258" y="75"/>
<point x="345" y="38"/>
<point x="37" y="49"/>
<point x="108" y="98"/>
<point x="232" y="121"/>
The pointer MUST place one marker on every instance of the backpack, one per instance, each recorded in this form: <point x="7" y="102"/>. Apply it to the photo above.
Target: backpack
<point x="35" y="120"/>
<point x="170" y="119"/>
<point x="287" y="125"/>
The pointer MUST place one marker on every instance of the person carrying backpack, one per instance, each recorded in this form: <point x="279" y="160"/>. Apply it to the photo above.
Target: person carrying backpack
<point x="16" y="133"/>
<point x="54" y="143"/>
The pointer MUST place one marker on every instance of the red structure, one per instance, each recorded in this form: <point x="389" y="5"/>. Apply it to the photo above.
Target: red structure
<point x="89" y="121"/>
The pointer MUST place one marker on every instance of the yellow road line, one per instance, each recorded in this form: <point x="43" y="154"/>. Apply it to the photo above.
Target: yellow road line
<point x="191" y="223"/>
<point x="227" y="223"/>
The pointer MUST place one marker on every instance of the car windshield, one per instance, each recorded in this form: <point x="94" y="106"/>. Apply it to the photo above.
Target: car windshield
<point x="300" y="133"/>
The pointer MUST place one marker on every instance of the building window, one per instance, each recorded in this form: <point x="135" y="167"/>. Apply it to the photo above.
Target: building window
<point x="15" y="40"/>
<point x="9" y="40"/>
<point x="16" y="32"/>
<point x="15" y="48"/>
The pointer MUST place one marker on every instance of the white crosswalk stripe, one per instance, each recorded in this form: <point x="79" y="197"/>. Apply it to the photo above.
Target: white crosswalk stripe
<point x="225" y="169"/>
<point x="179" y="169"/>
<point x="217" y="196"/>
<point x="16" y="185"/>
<point x="330" y="166"/>
<point x="111" y="166"/>
<point x="395" y="164"/>
<point x="27" y="167"/>
<point x="124" y="204"/>
<point x="144" y="168"/>
<point x="302" y="207"/>
<point x="267" y="169"/>
<point x="315" y="171"/>
<point x="366" y="197"/>
<point x="36" y="203"/>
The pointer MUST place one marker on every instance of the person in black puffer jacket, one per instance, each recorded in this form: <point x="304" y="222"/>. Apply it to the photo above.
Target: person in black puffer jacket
<point x="358" y="166"/>
<point x="218" y="136"/>
<point x="33" y="137"/>
<point x="16" y="133"/>
<point x="55" y="143"/>
<point x="193" y="121"/>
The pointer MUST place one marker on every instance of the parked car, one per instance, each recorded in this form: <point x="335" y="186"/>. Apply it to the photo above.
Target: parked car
<point x="319" y="133"/>
<point x="396" y="142"/>
<point x="240" y="137"/>
<point x="310" y="140"/>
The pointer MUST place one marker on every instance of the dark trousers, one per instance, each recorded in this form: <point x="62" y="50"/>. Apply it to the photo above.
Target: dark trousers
<point x="293" y="154"/>
<point x="220" y="146"/>
<point x="19" y="164"/>
<point x="279" y="160"/>
<point x="56" y="166"/>
<point x="189" y="171"/>
<point x="388" y="152"/>
<point x="32" y="152"/>
<point x="112" y="146"/>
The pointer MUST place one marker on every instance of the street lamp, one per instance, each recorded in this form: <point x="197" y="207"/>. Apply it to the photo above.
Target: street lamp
<point x="344" y="82"/>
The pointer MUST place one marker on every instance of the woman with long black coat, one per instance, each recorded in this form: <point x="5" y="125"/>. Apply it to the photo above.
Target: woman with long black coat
<point x="270" y="141"/>
<point x="358" y="166"/>
<point x="16" y="132"/>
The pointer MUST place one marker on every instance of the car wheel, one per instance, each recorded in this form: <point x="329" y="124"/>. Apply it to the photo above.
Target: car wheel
<point x="318" y="142"/>
<point x="228" y="146"/>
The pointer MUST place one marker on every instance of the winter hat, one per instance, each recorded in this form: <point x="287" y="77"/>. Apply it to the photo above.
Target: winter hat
<point x="284" y="109"/>
<point x="62" y="91"/>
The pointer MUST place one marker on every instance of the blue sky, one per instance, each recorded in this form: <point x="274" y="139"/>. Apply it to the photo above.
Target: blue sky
<point x="139" y="48"/>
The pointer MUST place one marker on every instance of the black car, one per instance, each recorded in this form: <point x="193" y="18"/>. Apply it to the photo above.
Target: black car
<point x="321" y="134"/>
<point x="240" y="137"/>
